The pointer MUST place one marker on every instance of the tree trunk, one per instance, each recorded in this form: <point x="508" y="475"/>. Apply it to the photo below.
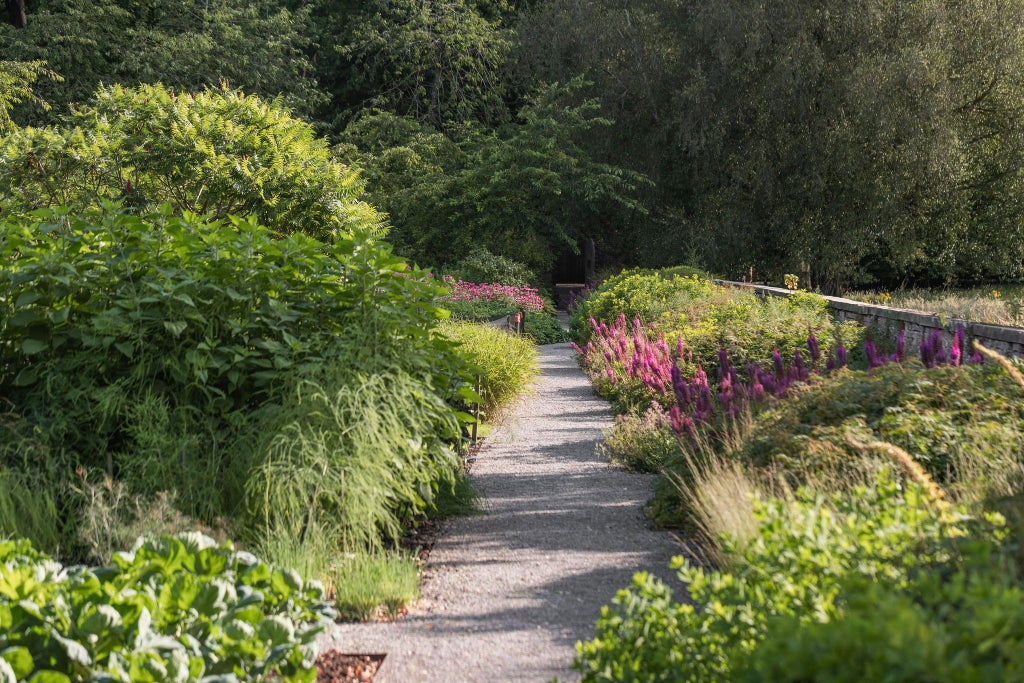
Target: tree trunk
<point x="16" y="13"/>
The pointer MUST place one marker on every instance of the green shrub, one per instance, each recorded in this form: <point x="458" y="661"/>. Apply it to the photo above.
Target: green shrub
<point x="544" y="328"/>
<point x="155" y="347"/>
<point x="640" y="443"/>
<point x="172" y="609"/>
<point x="811" y="559"/>
<point x="219" y="153"/>
<point x="480" y="265"/>
<point x="643" y="294"/>
<point x="506" y="364"/>
<point x="480" y="310"/>
<point x="934" y="415"/>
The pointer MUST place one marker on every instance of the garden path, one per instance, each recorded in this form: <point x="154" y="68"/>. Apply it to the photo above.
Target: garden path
<point x="509" y="592"/>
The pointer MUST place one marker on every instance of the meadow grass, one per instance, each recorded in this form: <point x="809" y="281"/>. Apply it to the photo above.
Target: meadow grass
<point x="992" y="304"/>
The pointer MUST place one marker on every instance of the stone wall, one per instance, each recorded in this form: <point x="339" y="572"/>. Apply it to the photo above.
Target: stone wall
<point x="889" y="321"/>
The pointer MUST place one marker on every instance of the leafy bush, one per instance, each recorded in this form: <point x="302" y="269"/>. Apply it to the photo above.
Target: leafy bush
<point x="506" y="364"/>
<point x="643" y="294"/>
<point x="172" y="609"/>
<point x="215" y="152"/>
<point x="545" y="328"/>
<point x="939" y="416"/>
<point x="480" y="265"/>
<point x="810" y="565"/>
<point x="641" y="443"/>
<point x="156" y="348"/>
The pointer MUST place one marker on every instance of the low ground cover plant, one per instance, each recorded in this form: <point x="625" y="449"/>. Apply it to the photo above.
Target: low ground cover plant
<point x="877" y="582"/>
<point x="174" y="608"/>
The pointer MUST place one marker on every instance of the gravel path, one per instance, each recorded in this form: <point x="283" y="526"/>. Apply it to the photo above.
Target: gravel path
<point x="509" y="592"/>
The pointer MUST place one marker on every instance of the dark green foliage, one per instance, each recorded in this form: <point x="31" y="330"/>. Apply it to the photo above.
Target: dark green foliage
<point x="480" y="265"/>
<point x="526" y="190"/>
<point x="215" y="152"/>
<point x="437" y="63"/>
<point x="544" y="328"/>
<point x="171" y="609"/>
<point x="256" y="46"/>
<point x="837" y="141"/>
<point x="16" y="81"/>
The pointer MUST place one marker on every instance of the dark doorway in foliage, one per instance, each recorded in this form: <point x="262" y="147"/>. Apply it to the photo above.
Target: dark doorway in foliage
<point x="576" y="268"/>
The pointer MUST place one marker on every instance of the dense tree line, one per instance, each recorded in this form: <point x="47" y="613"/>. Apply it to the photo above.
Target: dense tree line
<point x="879" y="140"/>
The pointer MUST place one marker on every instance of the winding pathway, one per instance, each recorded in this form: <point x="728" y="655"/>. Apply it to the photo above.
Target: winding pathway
<point x="509" y="592"/>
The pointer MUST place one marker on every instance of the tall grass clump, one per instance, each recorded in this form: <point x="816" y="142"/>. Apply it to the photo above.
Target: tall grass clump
<point x="507" y="365"/>
<point x="356" y="458"/>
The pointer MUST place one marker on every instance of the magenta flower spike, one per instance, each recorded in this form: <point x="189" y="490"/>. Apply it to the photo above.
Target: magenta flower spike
<point x="841" y="355"/>
<point x="901" y="346"/>
<point x="777" y="361"/>
<point x="812" y="345"/>
<point x="939" y="353"/>
<point x="872" y="354"/>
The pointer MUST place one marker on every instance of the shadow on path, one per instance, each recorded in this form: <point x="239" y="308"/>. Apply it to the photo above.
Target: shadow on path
<point x="510" y="592"/>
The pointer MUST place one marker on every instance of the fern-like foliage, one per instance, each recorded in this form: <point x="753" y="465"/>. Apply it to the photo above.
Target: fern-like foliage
<point x="16" y="80"/>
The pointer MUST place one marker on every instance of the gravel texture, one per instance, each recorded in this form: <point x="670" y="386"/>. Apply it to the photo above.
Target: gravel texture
<point x="508" y="593"/>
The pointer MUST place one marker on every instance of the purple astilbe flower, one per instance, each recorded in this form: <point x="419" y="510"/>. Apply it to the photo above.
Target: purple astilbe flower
<point x="723" y="361"/>
<point x="830" y="364"/>
<point x="901" y="346"/>
<point x="872" y="354"/>
<point x="780" y="370"/>
<point x="977" y="358"/>
<point x="757" y="392"/>
<point x="927" y="353"/>
<point x="841" y="355"/>
<point x="799" y="371"/>
<point x="812" y="346"/>
<point x="956" y="356"/>
<point x="937" y="350"/>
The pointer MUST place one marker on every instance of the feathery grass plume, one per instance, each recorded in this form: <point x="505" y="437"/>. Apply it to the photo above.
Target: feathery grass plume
<point x="906" y="462"/>
<point x="1012" y="370"/>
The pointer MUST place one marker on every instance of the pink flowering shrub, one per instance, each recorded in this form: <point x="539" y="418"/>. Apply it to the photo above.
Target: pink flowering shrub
<point x="519" y="297"/>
